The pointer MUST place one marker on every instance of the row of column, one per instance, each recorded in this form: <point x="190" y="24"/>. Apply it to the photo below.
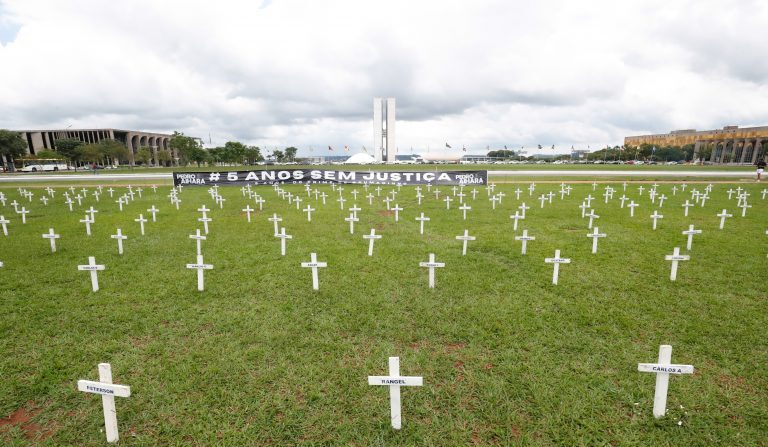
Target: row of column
<point x="134" y="142"/>
<point x="744" y="151"/>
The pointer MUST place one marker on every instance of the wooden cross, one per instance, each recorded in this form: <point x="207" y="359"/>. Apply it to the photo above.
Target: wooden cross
<point x="204" y="210"/>
<point x="23" y="211"/>
<point x="431" y="264"/>
<point x="743" y="207"/>
<point x="52" y="237"/>
<point x="354" y="193"/>
<point x="675" y="257"/>
<point x="466" y="237"/>
<point x="387" y="200"/>
<point x="663" y="369"/>
<point x="583" y="208"/>
<point x="557" y="260"/>
<point x="370" y="198"/>
<point x="464" y="208"/>
<point x="351" y="219"/>
<point x="4" y="222"/>
<point x="108" y="392"/>
<point x="259" y="201"/>
<point x="93" y="268"/>
<point x="119" y="236"/>
<point x="421" y="220"/>
<point x="623" y="199"/>
<point x="283" y="237"/>
<point x="87" y="221"/>
<point x="154" y="211"/>
<point x="394" y="381"/>
<point x="686" y="205"/>
<point x="517" y="216"/>
<point x="595" y="235"/>
<point x="141" y="221"/>
<point x="722" y="217"/>
<point x="371" y="238"/>
<point x="119" y="202"/>
<point x="493" y="200"/>
<point x="662" y="198"/>
<point x="354" y="209"/>
<point x="517" y="193"/>
<point x="247" y="210"/>
<point x="197" y="238"/>
<point x="589" y="199"/>
<point x="447" y="201"/>
<point x="632" y="205"/>
<point x="309" y="210"/>
<point x="397" y="210"/>
<point x="205" y="221"/>
<point x="591" y="216"/>
<point x="314" y="265"/>
<point x="656" y="216"/>
<point x="298" y="201"/>
<point x="690" y="232"/>
<point x="200" y="266"/>
<point x="522" y="208"/>
<point x="92" y="212"/>
<point x="274" y="219"/>
<point x="531" y="187"/>
<point x="542" y="199"/>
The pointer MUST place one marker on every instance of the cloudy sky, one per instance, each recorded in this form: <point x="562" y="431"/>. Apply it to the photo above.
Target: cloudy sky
<point x="303" y="72"/>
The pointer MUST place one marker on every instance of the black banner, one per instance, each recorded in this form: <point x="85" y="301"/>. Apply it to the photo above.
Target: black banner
<point x="302" y="176"/>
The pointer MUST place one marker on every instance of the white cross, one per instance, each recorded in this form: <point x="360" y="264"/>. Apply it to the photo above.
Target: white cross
<point x="460" y="195"/>
<point x="641" y="189"/>
<point x="763" y="194"/>
<point x="704" y="198"/>
<point x="309" y="210"/>
<point x="690" y="232"/>
<point x="93" y="268"/>
<point x="79" y="200"/>
<point x="588" y="199"/>
<point x="594" y="186"/>
<point x="119" y="236"/>
<point x="355" y="209"/>
<point x="370" y="198"/>
<point x="314" y="265"/>
<point x="557" y="260"/>
<point x="323" y="196"/>
<point x="139" y="190"/>
<point x="108" y="392"/>
<point x="675" y="257"/>
<point x="623" y="199"/>
<point x="466" y="237"/>
<point x="591" y="216"/>
<point x="743" y="207"/>
<point x="247" y="210"/>
<point x="197" y="238"/>
<point x="431" y="264"/>
<point x="23" y="211"/>
<point x="447" y="201"/>
<point x="595" y="235"/>
<point x="550" y="195"/>
<point x="351" y="219"/>
<point x="92" y="212"/>
<point x="686" y="205"/>
<point x="205" y="221"/>
<point x="119" y="201"/>
<point x="154" y="211"/>
<point x="542" y="199"/>
<point x="474" y="193"/>
<point x="394" y="381"/>
<point x="387" y="200"/>
<point x="259" y="201"/>
<point x="97" y="195"/>
<point x="656" y="216"/>
<point x="437" y="193"/>
<point x="4" y="222"/>
<point x="283" y="237"/>
<point x="378" y="191"/>
<point x="663" y="369"/>
<point x="662" y="198"/>
<point x="220" y="200"/>
<point x="674" y="190"/>
<point x="274" y="219"/>
<point x="354" y="193"/>
<point x="52" y="238"/>
<point x="531" y="187"/>
<point x="419" y="197"/>
<point x="298" y="201"/>
<point x="87" y="221"/>
<point x="517" y="193"/>
<point x="341" y="201"/>
<point x="583" y="208"/>
<point x="464" y="208"/>
<point x="522" y="208"/>
<point x="204" y="210"/>
<point x="397" y="210"/>
<point x="44" y="200"/>
<point x="141" y="221"/>
<point x="517" y="216"/>
<point x="421" y="220"/>
<point x="154" y="188"/>
<point x="200" y="266"/>
<point x="631" y="207"/>
<point x="371" y="237"/>
<point x="722" y="217"/>
<point x="730" y="193"/>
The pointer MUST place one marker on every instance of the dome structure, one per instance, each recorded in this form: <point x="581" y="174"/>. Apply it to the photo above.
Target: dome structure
<point x="360" y="159"/>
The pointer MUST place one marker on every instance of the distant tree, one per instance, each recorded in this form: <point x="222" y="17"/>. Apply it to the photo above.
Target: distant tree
<point x="144" y="155"/>
<point x="290" y="153"/>
<point x="183" y="145"/>
<point x="252" y="155"/>
<point x="112" y="150"/>
<point x="198" y="155"/>
<point x="278" y="154"/>
<point x="12" y="146"/>
<point x="47" y="154"/>
<point x="68" y="147"/>
<point x="164" y="157"/>
<point x="502" y="153"/>
<point x="90" y="153"/>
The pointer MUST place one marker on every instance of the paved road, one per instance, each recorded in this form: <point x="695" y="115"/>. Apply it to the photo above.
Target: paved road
<point x="521" y="173"/>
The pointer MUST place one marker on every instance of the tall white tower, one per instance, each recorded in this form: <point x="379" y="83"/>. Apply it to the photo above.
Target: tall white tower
<point x="384" y="129"/>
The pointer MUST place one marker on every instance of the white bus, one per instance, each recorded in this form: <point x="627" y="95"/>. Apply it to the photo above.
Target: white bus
<point x="43" y="165"/>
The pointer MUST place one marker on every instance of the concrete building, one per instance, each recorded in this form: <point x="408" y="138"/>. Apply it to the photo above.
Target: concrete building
<point x="38" y="140"/>
<point x="731" y="144"/>
<point x="384" y="129"/>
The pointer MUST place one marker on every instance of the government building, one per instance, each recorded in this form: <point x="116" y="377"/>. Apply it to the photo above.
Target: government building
<point x="731" y="144"/>
<point x="38" y="140"/>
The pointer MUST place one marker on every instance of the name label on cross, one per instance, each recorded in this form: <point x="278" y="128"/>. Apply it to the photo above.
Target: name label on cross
<point x="669" y="369"/>
<point x="88" y="386"/>
<point x="396" y="380"/>
<point x="90" y="267"/>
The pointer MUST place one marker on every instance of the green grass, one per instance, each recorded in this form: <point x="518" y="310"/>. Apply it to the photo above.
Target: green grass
<point x="260" y="358"/>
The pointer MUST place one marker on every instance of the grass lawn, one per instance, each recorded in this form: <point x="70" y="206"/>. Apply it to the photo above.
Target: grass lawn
<point x="508" y="358"/>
